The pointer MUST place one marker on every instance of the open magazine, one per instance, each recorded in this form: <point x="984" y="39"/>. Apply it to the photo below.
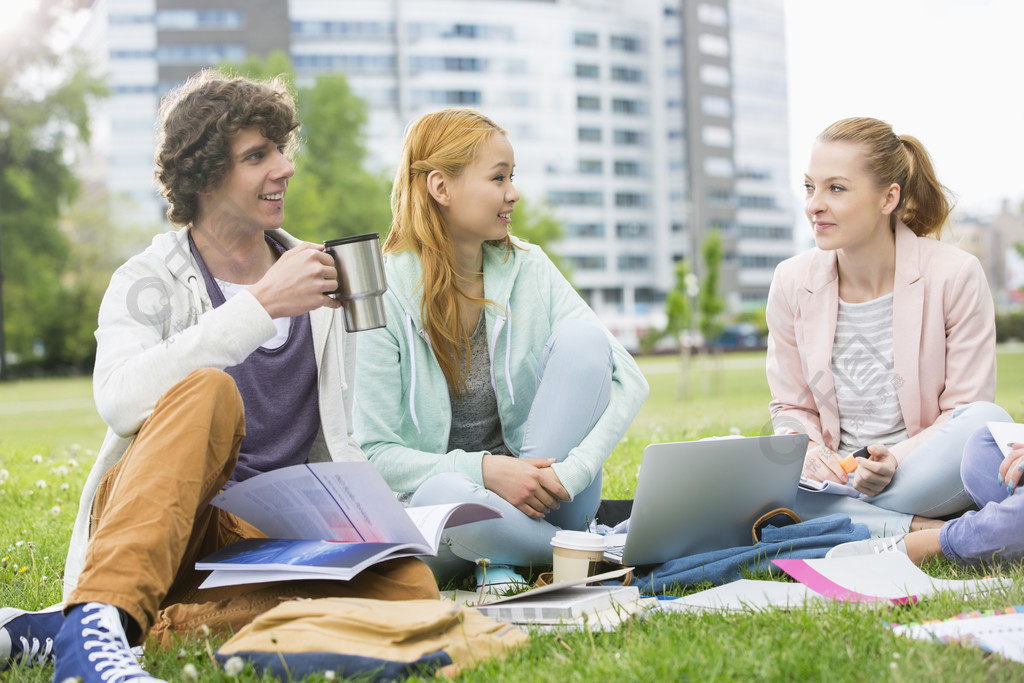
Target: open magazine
<point x="327" y="520"/>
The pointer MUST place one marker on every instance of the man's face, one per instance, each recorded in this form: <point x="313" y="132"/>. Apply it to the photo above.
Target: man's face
<point x="251" y="195"/>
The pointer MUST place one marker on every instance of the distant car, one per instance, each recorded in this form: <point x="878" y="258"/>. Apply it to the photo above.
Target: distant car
<point x="739" y="337"/>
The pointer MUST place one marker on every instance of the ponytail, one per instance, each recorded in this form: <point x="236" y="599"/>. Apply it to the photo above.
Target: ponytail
<point x="924" y="202"/>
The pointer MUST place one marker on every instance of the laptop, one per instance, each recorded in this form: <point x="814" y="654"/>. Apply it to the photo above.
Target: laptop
<point x="699" y="496"/>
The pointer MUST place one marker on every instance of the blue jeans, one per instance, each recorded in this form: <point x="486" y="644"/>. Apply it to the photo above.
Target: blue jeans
<point x="995" y="529"/>
<point x="926" y="483"/>
<point x="574" y="381"/>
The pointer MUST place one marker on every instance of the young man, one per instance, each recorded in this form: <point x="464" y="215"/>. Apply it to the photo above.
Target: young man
<point x="218" y="357"/>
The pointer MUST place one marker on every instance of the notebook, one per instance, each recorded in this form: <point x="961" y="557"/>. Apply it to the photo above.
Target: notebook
<point x="699" y="496"/>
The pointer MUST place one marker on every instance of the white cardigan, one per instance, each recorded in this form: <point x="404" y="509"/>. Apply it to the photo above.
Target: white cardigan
<point x="156" y="325"/>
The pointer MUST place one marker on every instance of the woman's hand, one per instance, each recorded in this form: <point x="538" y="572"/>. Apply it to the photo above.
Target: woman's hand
<point x="530" y="485"/>
<point x="875" y="472"/>
<point x="1012" y="467"/>
<point x="822" y="464"/>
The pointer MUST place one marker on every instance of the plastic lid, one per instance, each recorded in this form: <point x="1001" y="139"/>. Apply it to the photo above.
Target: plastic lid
<point x="578" y="540"/>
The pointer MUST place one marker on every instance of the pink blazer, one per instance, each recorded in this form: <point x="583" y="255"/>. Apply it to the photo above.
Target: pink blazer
<point x="943" y="339"/>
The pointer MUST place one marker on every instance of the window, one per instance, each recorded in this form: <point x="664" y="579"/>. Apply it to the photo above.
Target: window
<point x="711" y="74"/>
<point x="587" y="262"/>
<point x="631" y="231"/>
<point x="354" y="29"/>
<point x="713" y="45"/>
<point x="590" y="166"/>
<point x="585" y="229"/>
<point x="628" y="168"/>
<point x="610" y="295"/>
<point x="192" y="20"/>
<point x="719" y="167"/>
<point x="588" y="134"/>
<point x="716" y="136"/>
<point x="630" y="199"/>
<point x="760" y="261"/>
<point x="588" y="103"/>
<point x="588" y="71"/>
<point x="622" y="106"/>
<point x="712" y="15"/>
<point x="575" y="198"/>
<point x="632" y="262"/>
<point x="200" y="54"/>
<point x="585" y="39"/>
<point x="628" y="137"/>
<point x="626" y="75"/>
<point x="766" y="232"/>
<point x="625" y="43"/>
<point x="757" y="202"/>
<point x="713" y="105"/>
<point x="453" y="97"/>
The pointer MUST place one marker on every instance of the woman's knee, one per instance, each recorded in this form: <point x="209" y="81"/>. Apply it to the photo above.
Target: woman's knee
<point x="445" y="488"/>
<point x="585" y="342"/>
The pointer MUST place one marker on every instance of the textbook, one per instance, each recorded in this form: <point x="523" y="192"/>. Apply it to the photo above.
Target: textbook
<point x="882" y="578"/>
<point x="1006" y="433"/>
<point x="569" y="603"/>
<point x="999" y="631"/>
<point x="326" y="520"/>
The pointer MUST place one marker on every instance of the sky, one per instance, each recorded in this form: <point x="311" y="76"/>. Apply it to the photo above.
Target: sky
<point x="949" y="72"/>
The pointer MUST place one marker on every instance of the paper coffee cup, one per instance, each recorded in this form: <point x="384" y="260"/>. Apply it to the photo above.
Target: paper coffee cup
<point x="576" y="555"/>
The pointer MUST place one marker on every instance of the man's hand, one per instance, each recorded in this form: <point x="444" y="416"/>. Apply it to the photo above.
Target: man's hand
<point x="822" y="464"/>
<point x="1012" y="467"/>
<point x="874" y="473"/>
<point x="530" y="485"/>
<point x="298" y="282"/>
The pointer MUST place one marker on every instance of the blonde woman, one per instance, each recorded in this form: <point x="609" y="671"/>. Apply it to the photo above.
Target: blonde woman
<point x="881" y="336"/>
<point x="493" y="380"/>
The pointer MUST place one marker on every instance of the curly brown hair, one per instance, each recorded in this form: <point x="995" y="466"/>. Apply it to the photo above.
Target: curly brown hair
<point x="197" y="122"/>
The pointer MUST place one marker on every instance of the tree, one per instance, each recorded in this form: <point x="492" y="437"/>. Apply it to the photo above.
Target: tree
<point x="44" y="97"/>
<point x="537" y="224"/>
<point x="709" y="302"/>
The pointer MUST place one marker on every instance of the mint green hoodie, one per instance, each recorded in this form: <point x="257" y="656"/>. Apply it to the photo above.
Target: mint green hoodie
<point x="402" y="409"/>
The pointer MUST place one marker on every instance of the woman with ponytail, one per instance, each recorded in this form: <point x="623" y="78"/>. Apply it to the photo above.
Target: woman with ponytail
<point x="493" y="381"/>
<point x="881" y="337"/>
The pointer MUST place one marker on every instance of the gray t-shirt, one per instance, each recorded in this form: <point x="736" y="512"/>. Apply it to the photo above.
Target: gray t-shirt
<point x="476" y="425"/>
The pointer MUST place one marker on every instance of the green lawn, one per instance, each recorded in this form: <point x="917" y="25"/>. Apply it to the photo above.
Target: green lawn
<point x="49" y="432"/>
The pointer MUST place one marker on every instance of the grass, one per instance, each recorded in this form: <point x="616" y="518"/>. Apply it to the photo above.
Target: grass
<point x="49" y="432"/>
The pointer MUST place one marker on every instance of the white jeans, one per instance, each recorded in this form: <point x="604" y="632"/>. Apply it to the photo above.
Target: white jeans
<point x="926" y="483"/>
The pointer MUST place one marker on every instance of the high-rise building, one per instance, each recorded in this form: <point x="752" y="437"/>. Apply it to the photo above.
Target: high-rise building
<point x="643" y="124"/>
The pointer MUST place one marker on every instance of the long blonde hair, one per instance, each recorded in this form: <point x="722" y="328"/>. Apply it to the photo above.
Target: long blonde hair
<point x="924" y="203"/>
<point x="446" y="141"/>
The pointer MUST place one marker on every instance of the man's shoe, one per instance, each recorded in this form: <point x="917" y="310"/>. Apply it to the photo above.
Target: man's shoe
<point x="26" y="638"/>
<point x="92" y="647"/>
<point x="871" y="546"/>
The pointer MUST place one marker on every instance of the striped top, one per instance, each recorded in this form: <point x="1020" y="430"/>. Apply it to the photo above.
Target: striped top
<point x="862" y="365"/>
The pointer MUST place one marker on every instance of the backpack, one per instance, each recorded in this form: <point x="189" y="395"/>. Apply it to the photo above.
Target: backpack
<point x="391" y="639"/>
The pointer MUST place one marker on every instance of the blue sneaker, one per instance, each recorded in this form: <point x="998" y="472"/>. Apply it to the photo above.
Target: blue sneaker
<point x="92" y="648"/>
<point x="26" y="638"/>
<point x="500" y="578"/>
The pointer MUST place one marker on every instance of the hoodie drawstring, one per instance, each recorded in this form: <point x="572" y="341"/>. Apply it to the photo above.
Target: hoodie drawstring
<point x="499" y="324"/>
<point x="411" y="340"/>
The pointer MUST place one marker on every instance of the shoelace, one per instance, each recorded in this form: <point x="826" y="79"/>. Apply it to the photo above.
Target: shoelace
<point x="113" y="660"/>
<point x="35" y="651"/>
<point x="889" y="544"/>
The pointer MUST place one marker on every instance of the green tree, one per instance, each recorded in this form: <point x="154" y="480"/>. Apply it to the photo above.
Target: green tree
<point x="44" y="97"/>
<point x="537" y="224"/>
<point x="709" y="302"/>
